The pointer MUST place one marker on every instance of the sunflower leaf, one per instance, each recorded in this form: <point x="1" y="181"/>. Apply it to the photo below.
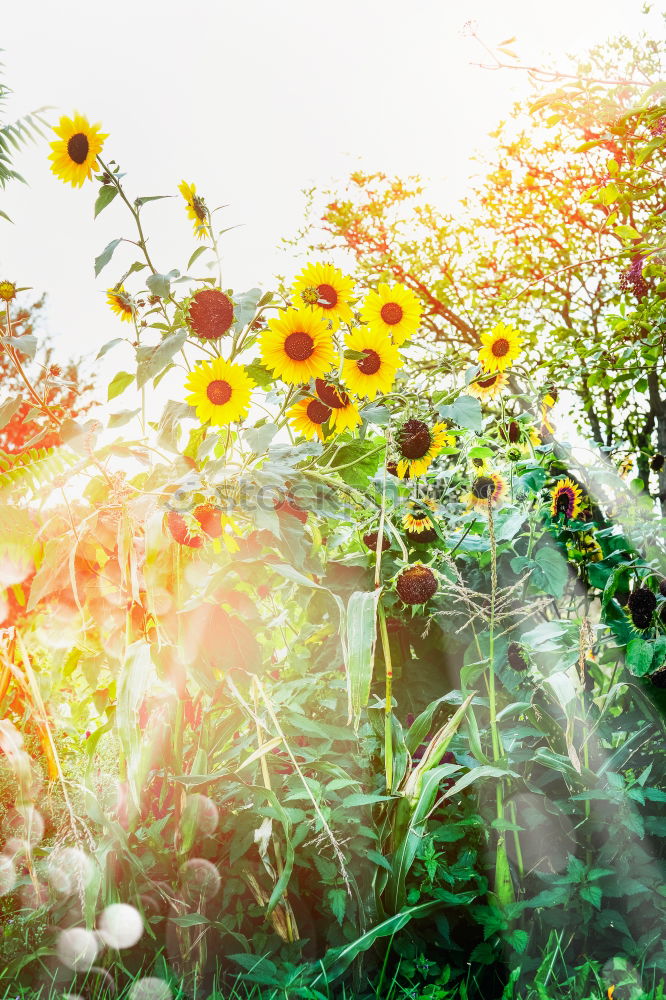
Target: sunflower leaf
<point x="106" y="195"/>
<point x="464" y="411"/>
<point x="159" y="357"/>
<point x="106" y="255"/>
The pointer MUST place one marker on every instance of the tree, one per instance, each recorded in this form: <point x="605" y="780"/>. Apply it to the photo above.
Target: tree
<point x="543" y="240"/>
<point x="59" y="385"/>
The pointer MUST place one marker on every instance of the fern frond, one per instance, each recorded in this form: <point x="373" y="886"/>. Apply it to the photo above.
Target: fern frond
<point x="34" y="469"/>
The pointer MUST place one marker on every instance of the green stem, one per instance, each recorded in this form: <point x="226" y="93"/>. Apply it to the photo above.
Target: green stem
<point x="388" y="707"/>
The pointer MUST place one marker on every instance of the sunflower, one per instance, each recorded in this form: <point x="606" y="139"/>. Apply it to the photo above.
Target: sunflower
<point x="210" y="313"/>
<point x="121" y="303"/>
<point x="7" y="291"/>
<point x="329" y="393"/>
<point x="308" y="416"/>
<point x="416" y="524"/>
<point x="419" y="444"/>
<point x="297" y="346"/>
<point x="325" y="290"/>
<point x="392" y="310"/>
<point x="375" y="372"/>
<point x="487" y="491"/>
<point x="75" y="150"/>
<point x="590" y="548"/>
<point x="487" y="386"/>
<point x="500" y="348"/>
<point x="345" y="418"/>
<point x="480" y="465"/>
<point x="196" y="209"/>
<point x="641" y="606"/>
<point x="565" y="499"/>
<point x="220" y="391"/>
<point x="416" y="584"/>
<point x="547" y="403"/>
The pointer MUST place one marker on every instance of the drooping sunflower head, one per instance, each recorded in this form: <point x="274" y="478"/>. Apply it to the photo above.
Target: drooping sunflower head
<point x="590" y="548"/>
<point x="308" y="416"/>
<point x="487" y="490"/>
<point x="345" y="418"/>
<point x="74" y="152"/>
<point x="416" y="584"/>
<point x="417" y="525"/>
<point x="500" y="348"/>
<point x="419" y="443"/>
<point x="641" y="606"/>
<point x="298" y="346"/>
<point x="219" y="391"/>
<point x="565" y="499"/>
<point x="517" y="656"/>
<point x="392" y="310"/>
<point x="330" y="394"/>
<point x="210" y="313"/>
<point x="324" y="289"/>
<point x="121" y="303"/>
<point x="370" y="539"/>
<point x="196" y="209"/>
<point x="487" y="387"/>
<point x="7" y="291"/>
<point x="375" y="371"/>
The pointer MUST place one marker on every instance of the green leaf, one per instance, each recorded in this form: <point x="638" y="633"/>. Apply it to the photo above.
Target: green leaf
<point x="627" y="232"/>
<point x="639" y="656"/>
<point x="259" y="438"/>
<point x="484" y="771"/>
<point x="106" y="255"/>
<point x="554" y="571"/>
<point x="26" y="345"/>
<point x="144" y="199"/>
<point x="160" y="284"/>
<point x="337" y="900"/>
<point x="118" y="384"/>
<point x="361" y="639"/>
<point x="122" y="417"/>
<point x="159" y="357"/>
<point x="465" y="411"/>
<point x="107" y="347"/>
<point x="195" y="256"/>
<point x="106" y="195"/>
<point x="8" y="409"/>
<point x="592" y="894"/>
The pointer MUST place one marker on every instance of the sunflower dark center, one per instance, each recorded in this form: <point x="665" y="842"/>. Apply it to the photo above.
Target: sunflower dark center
<point x="415" y="439"/>
<point x="482" y="487"/>
<point x="219" y="392"/>
<point x="328" y="297"/>
<point x="486" y="383"/>
<point x="391" y="313"/>
<point x="211" y="313"/>
<point x="500" y="347"/>
<point x="78" y="147"/>
<point x="330" y="395"/>
<point x="371" y="363"/>
<point x="564" y="502"/>
<point x="199" y="207"/>
<point x="299" y="346"/>
<point x="317" y="412"/>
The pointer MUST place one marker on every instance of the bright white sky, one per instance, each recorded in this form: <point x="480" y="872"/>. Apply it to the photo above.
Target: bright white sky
<point x="252" y="100"/>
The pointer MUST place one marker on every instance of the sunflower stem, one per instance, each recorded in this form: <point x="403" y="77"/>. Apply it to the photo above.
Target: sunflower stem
<point x="388" y="701"/>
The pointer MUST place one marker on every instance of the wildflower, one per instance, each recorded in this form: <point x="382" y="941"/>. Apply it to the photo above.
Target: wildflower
<point x="419" y="444"/>
<point x="500" y="348"/>
<point x="308" y="416"/>
<point x="565" y="499"/>
<point x="219" y="391"/>
<point x="196" y="208"/>
<point x="486" y="491"/>
<point x="210" y="313"/>
<point x="416" y="584"/>
<point x="324" y="289"/>
<point x="375" y="371"/>
<point x="121" y="303"/>
<point x="75" y="150"/>
<point x="298" y="346"/>
<point x="641" y="605"/>
<point x="392" y="310"/>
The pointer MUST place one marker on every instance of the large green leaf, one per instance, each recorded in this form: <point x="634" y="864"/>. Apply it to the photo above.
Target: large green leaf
<point x="361" y="639"/>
